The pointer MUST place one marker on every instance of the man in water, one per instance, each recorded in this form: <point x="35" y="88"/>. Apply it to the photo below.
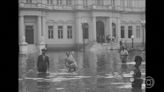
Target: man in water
<point x="124" y="58"/>
<point x="43" y="62"/>
<point x="70" y="62"/>
<point x="137" y="83"/>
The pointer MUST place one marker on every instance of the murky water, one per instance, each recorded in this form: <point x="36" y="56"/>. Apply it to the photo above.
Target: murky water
<point x="96" y="73"/>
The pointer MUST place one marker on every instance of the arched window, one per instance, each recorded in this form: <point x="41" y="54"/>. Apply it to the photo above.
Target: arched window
<point x="69" y="32"/>
<point x="68" y="2"/>
<point x="60" y="32"/>
<point x="49" y="1"/>
<point x="50" y="32"/>
<point x="138" y="31"/>
<point x="100" y="31"/>
<point x="130" y="31"/>
<point x="122" y="32"/>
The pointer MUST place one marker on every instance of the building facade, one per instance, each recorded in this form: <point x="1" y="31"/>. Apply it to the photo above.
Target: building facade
<point x="59" y="22"/>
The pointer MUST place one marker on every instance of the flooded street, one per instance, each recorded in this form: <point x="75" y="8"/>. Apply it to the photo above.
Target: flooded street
<point x="97" y="72"/>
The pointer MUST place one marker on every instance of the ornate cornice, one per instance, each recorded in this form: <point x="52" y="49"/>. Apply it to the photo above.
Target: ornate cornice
<point x="62" y="22"/>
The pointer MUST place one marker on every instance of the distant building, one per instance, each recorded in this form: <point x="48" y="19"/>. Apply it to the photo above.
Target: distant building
<point x="59" y="22"/>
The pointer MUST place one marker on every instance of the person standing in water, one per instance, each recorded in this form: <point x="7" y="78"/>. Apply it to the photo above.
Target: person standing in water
<point x="43" y="62"/>
<point x="124" y="58"/>
<point x="137" y="83"/>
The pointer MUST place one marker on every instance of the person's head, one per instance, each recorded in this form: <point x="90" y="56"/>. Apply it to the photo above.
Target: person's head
<point x="123" y="48"/>
<point x="67" y="54"/>
<point x="43" y="51"/>
<point x="138" y="60"/>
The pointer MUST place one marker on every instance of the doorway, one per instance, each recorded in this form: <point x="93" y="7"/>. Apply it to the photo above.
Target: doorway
<point x="100" y="34"/>
<point x="29" y="33"/>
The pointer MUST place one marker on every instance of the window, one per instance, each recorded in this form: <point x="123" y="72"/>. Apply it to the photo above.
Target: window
<point x="122" y="32"/>
<point x="100" y="2"/>
<point x="28" y="1"/>
<point x="69" y="32"/>
<point x="68" y="2"/>
<point x="113" y="2"/>
<point x="29" y="34"/>
<point x="49" y="1"/>
<point x="85" y="31"/>
<point x="59" y="2"/>
<point x="50" y="32"/>
<point x="137" y="31"/>
<point x="114" y="30"/>
<point x="60" y="32"/>
<point x="85" y="3"/>
<point x="130" y="31"/>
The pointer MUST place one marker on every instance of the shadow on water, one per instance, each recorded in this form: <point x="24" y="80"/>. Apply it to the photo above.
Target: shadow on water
<point x="102" y="85"/>
<point x="43" y="86"/>
<point x="101" y="64"/>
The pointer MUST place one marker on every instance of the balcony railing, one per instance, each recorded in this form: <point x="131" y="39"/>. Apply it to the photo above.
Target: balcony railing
<point x="91" y="5"/>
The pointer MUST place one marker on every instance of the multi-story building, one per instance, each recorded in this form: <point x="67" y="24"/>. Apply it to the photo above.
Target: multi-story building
<point x="59" y="22"/>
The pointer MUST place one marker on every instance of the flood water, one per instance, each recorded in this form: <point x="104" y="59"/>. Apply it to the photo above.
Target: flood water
<point x="96" y="73"/>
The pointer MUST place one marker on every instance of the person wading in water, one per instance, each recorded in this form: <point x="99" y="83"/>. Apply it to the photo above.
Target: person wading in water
<point x="124" y="58"/>
<point x="70" y="62"/>
<point x="43" y="62"/>
<point x="137" y="83"/>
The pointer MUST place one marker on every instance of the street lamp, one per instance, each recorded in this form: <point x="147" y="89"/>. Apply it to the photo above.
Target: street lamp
<point x="143" y="30"/>
<point x="132" y="37"/>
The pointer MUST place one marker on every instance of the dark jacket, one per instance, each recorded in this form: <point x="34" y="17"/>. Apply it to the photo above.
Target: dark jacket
<point x="137" y="83"/>
<point x="42" y="65"/>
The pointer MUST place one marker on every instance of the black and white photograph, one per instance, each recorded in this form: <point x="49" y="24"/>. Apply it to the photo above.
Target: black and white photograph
<point x="82" y="46"/>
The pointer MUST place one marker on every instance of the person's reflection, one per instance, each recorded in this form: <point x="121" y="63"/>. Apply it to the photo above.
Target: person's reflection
<point x="93" y="62"/>
<point x="85" y="60"/>
<point x="79" y="58"/>
<point x="43" y="75"/>
<point x="101" y="85"/>
<point x="43" y="85"/>
<point x="22" y="86"/>
<point x="100" y="64"/>
<point x="124" y="68"/>
<point x="137" y="82"/>
<point x="114" y="61"/>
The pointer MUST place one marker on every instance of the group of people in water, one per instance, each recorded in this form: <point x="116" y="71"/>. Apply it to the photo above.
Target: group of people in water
<point x="43" y="62"/>
<point x="71" y="65"/>
<point x="137" y="80"/>
<point x="70" y="62"/>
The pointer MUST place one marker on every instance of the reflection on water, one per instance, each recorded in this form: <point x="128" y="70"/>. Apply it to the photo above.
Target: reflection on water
<point x="43" y="86"/>
<point x="93" y="75"/>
